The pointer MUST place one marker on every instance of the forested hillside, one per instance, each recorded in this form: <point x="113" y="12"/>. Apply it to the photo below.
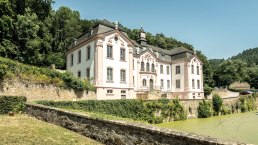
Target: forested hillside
<point x="250" y="56"/>
<point x="240" y="68"/>
<point x="32" y="32"/>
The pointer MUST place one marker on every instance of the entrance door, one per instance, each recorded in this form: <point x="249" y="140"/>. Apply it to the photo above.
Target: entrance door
<point x="151" y="84"/>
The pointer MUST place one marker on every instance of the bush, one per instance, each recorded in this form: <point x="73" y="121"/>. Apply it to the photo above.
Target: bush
<point x="12" y="103"/>
<point x="150" y="111"/>
<point x="205" y="109"/>
<point x="225" y="110"/>
<point x="247" y="103"/>
<point x="217" y="103"/>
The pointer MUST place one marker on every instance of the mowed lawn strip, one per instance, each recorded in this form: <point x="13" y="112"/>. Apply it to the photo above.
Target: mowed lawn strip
<point x="26" y="130"/>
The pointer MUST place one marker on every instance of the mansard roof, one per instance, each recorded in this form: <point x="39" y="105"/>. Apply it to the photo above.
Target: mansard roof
<point x="164" y="54"/>
<point x="102" y="27"/>
<point x="105" y="27"/>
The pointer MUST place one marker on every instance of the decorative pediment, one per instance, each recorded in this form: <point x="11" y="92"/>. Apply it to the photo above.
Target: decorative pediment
<point x="117" y="39"/>
<point x="148" y="56"/>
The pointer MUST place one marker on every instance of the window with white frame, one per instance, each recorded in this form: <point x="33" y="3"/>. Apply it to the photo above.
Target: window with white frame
<point x="110" y="91"/>
<point x="79" y="74"/>
<point x="147" y="67"/>
<point x="133" y="63"/>
<point x="198" y="84"/>
<point x="193" y="83"/>
<point x="178" y="69"/>
<point x="71" y="59"/>
<point x="122" y="54"/>
<point x="122" y="75"/>
<point x="109" y="51"/>
<point x="161" y="69"/>
<point x="123" y="94"/>
<point x="192" y="66"/>
<point x="142" y="66"/>
<point x="153" y="68"/>
<point x="109" y="74"/>
<point x="197" y="69"/>
<point x="167" y="70"/>
<point x="168" y="84"/>
<point x="88" y="52"/>
<point x="178" y="84"/>
<point x="79" y="56"/>
<point x="161" y="83"/>
<point x="88" y="73"/>
<point x="144" y="82"/>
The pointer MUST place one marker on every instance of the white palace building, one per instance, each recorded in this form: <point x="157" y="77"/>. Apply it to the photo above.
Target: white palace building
<point x="122" y="68"/>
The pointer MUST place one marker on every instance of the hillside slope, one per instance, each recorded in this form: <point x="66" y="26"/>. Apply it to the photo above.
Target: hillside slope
<point x="10" y="69"/>
<point x="250" y="56"/>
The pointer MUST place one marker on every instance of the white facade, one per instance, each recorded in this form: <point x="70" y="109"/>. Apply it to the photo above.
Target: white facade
<point x="121" y="68"/>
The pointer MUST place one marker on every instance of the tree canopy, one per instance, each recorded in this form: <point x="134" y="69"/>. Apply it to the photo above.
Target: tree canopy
<point x="32" y="32"/>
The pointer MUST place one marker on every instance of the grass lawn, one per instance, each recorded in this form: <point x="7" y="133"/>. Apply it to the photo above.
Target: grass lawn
<point x="26" y="130"/>
<point x="104" y="116"/>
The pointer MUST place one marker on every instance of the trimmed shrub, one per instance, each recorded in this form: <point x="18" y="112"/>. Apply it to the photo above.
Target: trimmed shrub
<point x="217" y="103"/>
<point x="151" y="111"/>
<point x="12" y="103"/>
<point x="205" y="109"/>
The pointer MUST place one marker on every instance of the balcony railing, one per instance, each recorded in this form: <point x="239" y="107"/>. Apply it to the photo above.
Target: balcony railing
<point x="148" y="72"/>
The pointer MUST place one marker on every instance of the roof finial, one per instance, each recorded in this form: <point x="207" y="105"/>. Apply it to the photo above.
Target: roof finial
<point x="116" y="25"/>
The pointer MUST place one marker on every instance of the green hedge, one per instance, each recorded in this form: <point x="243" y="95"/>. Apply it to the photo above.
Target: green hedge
<point x="12" y="103"/>
<point x="150" y="111"/>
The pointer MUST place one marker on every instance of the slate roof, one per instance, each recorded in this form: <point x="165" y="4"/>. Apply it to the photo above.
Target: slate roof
<point x="105" y="26"/>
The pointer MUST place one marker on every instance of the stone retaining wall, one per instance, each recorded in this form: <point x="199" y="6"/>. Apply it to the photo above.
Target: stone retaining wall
<point x="35" y="91"/>
<point x="118" y="132"/>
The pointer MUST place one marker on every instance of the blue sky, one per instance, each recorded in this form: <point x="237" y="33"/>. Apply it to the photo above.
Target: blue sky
<point x="219" y="28"/>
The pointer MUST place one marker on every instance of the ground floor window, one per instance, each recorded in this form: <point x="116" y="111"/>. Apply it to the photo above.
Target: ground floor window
<point x="194" y="95"/>
<point x="123" y="94"/>
<point x="110" y="91"/>
<point x="79" y="74"/>
<point x="161" y="83"/>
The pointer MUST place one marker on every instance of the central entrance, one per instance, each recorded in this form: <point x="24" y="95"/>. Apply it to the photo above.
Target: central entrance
<point x="151" y="84"/>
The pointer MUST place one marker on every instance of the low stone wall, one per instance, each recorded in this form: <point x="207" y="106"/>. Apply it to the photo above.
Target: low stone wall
<point x="35" y="91"/>
<point x="191" y="105"/>
<point x="118" y="132"/>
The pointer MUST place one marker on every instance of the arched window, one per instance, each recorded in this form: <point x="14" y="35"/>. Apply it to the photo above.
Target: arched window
<point x="142" y="66"/>
<point x="152" y="68"/>
<point x="147" y="67"/>
<point x="144" y="82"/>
